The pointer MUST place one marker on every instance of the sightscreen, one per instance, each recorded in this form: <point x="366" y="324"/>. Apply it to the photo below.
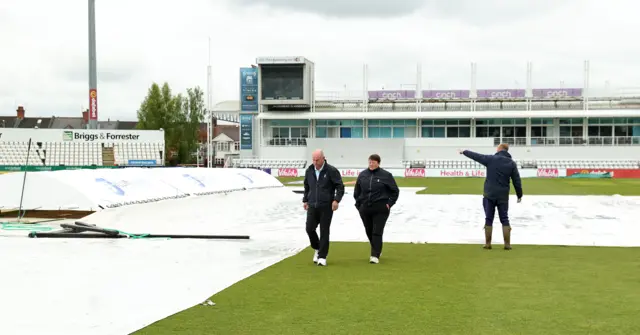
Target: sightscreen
<point x="282" y="82"/>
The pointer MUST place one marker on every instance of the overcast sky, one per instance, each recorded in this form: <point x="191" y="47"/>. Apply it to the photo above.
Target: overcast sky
<point x="44" y="59"/>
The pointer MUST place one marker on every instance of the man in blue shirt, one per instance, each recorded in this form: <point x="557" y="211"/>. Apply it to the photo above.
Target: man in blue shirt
<point x="501" y="169"/>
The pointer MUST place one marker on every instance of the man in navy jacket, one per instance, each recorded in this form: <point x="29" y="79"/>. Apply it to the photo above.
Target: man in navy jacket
<point x="501" y="169"/>
<point x="323" y="191"/>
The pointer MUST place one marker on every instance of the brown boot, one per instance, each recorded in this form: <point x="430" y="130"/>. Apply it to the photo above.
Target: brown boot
<point x="488" y="231"/>
<point x="506" y="233"/>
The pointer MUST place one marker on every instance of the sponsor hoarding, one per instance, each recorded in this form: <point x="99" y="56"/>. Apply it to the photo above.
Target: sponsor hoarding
<point x="248" y="89"/>
<point x="246" y="131"/>
<point x="615" y="173"/>
<point x="446" y="94"/>
<point x="288" y="172"/>
<point x="392" y="95"/>
<point x="93" y="104"/>
<point x="501" y="94"/>
<point x="447" y="173"/>
<point x="80" y="135"/>
<point x="415" y="173"/>
<point x="548" y="173"/>
<point x="549" y="93"/>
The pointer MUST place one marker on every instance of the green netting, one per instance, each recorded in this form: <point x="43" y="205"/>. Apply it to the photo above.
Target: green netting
<point x="25" y="226"/>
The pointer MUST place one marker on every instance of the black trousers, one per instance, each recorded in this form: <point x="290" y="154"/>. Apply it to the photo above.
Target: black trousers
<point x="319" y="216"/>
<point x="374" y="217"/>
<point x="490" y="211"/>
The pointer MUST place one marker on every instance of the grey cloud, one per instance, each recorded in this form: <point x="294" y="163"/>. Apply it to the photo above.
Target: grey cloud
<point x="105" y="75"/>
<point x="487" y="12"/>
<point x="344" y="8"/>
<point x="490" y="12"/>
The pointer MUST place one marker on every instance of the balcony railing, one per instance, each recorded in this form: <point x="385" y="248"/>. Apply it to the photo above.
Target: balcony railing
<point x="513" y="141"/>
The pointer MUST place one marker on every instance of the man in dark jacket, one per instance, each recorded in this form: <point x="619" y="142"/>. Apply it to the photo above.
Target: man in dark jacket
<point x="375" y="192"/>
<point x="323" y="190"/>
<point x="501" y="169"/>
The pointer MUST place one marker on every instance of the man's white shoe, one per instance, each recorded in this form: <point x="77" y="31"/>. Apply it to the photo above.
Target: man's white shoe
<point x="322" y="262"/>
<point x="315" y="257"/>
<point x="374" y="260"/>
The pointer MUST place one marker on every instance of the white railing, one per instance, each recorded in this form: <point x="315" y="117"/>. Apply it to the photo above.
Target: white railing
<point x="285" y="142"/>
<point x="589" y="141"/>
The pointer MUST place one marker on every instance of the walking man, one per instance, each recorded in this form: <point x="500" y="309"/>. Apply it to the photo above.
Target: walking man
<point x="501" y="169"/>
<point x="323" y="191"/>
<point x="375" y="192"/>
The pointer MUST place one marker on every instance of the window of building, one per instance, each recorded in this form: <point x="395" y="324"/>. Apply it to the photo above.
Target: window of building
<point x="340" y="128"/>
<point x="391" y="128"/>
<point x="510" y="131"/>
<point x="288" y="132"/>
<point x="445" y="128"/>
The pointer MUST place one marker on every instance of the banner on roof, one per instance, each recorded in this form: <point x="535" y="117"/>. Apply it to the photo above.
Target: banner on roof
<point x="501" y="94"/>
<point x="392" y="95"/>
<point x="446" y="94"/>
<point x="549" y="93"/>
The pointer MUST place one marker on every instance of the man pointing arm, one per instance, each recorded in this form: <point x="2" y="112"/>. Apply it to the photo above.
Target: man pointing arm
<point x="501" y="170"/>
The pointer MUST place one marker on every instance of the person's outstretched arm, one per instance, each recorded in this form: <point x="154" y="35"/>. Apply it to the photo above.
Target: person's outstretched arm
<point x="480" y="158"/>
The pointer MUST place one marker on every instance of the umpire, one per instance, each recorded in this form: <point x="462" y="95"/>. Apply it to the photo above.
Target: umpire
<point x="323" y="190"/>
<point x="501" y="169"/>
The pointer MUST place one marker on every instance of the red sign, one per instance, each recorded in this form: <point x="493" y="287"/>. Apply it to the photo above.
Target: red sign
<point x="288" y="172"/>
<point x="415" y="173"/>
<point x="548" y="173"/>
<point x="615" y="173"/>
<point x="93" y="104"/>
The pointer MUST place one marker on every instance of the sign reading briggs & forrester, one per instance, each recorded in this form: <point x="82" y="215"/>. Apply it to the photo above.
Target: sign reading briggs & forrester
<point x="81" y="135"/>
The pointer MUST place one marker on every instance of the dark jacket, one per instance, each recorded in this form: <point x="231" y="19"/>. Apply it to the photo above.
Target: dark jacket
<point x="500" y="170"/>
<point x="325" y="189"/>
<point x="374" y="186"/>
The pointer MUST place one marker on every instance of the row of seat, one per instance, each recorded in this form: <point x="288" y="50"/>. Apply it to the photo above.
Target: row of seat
<point x="456" y="164"/>
<point x="268" y="163"/>
<point x="77" y="153"/>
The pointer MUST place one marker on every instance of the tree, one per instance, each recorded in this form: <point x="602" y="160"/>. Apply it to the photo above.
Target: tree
<point x="179" y="116"/>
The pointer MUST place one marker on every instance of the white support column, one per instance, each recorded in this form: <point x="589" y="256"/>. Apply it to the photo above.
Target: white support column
<point x="529" y="89"/>
<point x="365" y="93"/>
<point x="419" y="88"/>
<point x="585" y="90"/>
<point x="473" y="92"/>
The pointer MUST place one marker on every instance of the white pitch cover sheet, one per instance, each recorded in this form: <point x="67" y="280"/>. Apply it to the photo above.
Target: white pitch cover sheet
<point x="92" y="286"/>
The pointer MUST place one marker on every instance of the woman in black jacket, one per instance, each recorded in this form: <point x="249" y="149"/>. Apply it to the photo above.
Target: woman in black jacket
<point x="375" y="193"/>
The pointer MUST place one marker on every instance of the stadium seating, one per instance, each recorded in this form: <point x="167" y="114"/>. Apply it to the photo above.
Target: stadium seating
<point x="77" y="153"/>
<point x="588" y="163"/>
<point x="457" y="164"/>
<point x="268" y="163"/>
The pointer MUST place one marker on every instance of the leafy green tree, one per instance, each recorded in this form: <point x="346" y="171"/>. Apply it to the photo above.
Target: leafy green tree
<point x="179" y="116"/>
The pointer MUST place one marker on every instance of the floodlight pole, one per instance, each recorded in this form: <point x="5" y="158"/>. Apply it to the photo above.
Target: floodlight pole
<point x="93" y="76"/>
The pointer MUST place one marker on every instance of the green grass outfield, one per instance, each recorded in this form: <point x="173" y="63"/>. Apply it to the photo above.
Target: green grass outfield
<point x="437" y="288"/>
<point x="532" y="186"/>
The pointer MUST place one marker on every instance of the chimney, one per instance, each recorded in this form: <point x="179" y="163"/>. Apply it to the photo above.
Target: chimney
<point x="20" y="113"/>
<point x="85" y="116"/>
